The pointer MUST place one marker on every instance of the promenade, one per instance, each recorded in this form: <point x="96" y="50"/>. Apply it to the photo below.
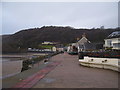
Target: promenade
<point x="66" y="73"/>
<point x="69" y="74"/>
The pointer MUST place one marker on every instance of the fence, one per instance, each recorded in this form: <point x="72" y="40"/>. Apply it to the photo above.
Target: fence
<point x="100" y="54"/>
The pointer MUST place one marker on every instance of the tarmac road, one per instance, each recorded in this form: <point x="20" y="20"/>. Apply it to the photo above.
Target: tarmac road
<point x="69" y="74"/>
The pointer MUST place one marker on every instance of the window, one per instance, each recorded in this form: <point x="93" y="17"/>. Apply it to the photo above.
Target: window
<point x="116" y="45"/>
<point x="109" y="43"/>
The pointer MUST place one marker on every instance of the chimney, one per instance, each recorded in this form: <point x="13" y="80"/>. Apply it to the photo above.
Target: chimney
<point x="84" y="35"/>
<point x="78" y="39"/>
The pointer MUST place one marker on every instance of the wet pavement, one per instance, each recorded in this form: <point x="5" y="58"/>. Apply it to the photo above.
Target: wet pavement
<point x="70" y="74"/>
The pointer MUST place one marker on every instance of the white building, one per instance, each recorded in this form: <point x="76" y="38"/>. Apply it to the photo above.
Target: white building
<point x="60" y="49"/>
<point x="46" y="43"/>
<point x="54" y="49"/>
<point x="113" y="40"/>
<point x="69" y="48"/>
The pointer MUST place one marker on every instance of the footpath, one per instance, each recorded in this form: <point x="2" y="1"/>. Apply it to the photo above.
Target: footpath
<point x="63" y="71"/>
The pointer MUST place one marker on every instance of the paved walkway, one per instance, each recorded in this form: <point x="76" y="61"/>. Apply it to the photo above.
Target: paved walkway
<point x="69" y="74"/>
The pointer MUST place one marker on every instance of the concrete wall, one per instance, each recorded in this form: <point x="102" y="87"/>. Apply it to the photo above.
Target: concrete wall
<point x="105" y="63"/>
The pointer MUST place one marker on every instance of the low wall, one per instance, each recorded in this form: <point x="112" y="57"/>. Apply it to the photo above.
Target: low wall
<point x="105" y="63"/>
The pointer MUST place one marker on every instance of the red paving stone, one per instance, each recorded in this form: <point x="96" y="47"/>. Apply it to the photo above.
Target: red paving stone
<point x="32" y="80"/>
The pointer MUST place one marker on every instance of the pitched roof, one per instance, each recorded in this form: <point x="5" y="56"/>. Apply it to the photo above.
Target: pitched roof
<point x="115" y="34"/>
<point x="83" y="40"/>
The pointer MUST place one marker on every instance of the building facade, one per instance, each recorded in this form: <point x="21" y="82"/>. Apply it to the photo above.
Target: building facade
<point x="113" y="41"/>
<point x="84" y="44"/>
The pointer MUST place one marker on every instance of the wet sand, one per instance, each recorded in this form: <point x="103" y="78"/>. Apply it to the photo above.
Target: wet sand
<point x="10" y="68"/>
<point x="21" y="55"/>
<point x="12" y="63"/>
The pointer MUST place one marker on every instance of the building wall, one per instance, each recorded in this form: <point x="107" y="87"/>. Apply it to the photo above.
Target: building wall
<point x="54" y="49"/>
<point x="60" y="49"/>
<point x="82" y="41"/>
<point x="113" y="42"/>
<point x="108" y="43"/>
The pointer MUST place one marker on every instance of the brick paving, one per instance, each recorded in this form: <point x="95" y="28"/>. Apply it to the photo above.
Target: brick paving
<point x="69" y="74"/>
<point x="33" y="79"/>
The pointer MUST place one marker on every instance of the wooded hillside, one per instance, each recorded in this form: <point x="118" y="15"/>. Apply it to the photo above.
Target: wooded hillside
<point x="23" y="39"/>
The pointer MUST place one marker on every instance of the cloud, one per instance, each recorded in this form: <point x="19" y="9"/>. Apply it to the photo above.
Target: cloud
<point x="20" y="15"/>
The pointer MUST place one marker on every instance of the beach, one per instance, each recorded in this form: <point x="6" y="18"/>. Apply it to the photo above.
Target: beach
<point x="10" y="68"/>
<point x="12" y="63"/>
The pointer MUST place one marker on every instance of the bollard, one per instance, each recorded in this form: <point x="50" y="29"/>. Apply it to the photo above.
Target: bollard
<point x="81" y="55"/>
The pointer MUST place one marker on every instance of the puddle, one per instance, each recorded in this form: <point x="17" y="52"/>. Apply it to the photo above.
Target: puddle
<point x="48" y="80"/>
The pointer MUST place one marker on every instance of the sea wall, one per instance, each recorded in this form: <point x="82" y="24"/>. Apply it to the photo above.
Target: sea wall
<point x="105" y="63"/>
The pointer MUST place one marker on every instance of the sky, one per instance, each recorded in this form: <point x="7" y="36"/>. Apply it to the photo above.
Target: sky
<point x="17" y="16"/>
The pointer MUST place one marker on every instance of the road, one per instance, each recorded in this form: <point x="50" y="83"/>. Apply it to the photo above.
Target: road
<point x="70" y="74"/>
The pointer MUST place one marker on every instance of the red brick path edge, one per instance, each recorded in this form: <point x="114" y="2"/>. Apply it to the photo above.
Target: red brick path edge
<point x="32" y="80"/>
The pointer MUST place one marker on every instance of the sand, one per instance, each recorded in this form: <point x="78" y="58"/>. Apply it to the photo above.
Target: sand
<point x="10" y="68"/>
<point x="12" y="63"/>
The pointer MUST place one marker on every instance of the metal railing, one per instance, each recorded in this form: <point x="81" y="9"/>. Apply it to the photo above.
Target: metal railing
<point x="100" y="54"/>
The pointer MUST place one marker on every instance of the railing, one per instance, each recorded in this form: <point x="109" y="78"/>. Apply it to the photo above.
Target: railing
<point x="100" y="54"/>
<point x="34" y="60"/>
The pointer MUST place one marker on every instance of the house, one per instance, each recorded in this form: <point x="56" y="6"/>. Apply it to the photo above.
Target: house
<point x="83" y="40"/>
<point x="72" y="49"/>
<point x="113" y="41"/>
<point x="58" y="48"/>
<point x="54" y="49"/>
<point x="84" y="44"/>
<point x="81" y="45"/>
<point x="69" y="48"/>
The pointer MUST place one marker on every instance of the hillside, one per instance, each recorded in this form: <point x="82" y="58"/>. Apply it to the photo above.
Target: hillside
<point x="23" y="39"/>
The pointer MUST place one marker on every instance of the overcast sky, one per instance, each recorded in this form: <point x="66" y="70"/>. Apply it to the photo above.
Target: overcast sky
<point x="22" y="15"/>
